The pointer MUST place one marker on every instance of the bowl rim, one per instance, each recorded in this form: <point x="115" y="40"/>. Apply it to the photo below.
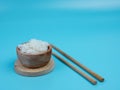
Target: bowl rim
<point x="28" y="54"/>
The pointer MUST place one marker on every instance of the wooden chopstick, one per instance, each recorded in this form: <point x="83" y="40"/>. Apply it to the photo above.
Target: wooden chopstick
<point x="98" y="77"/>
<point x="75" y="69"/>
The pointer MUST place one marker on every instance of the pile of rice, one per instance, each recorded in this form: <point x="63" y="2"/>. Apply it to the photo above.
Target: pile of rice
<point x="34" y="47"/>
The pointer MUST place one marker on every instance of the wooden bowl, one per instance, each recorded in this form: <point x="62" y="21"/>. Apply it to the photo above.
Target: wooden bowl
<point x="34" y="60"/>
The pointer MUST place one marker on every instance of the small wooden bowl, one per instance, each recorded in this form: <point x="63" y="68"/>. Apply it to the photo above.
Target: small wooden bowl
<point x="34" y="60"/>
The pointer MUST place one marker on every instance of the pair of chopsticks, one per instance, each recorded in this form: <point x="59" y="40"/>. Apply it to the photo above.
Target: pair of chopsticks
<point x="91" y="80"/>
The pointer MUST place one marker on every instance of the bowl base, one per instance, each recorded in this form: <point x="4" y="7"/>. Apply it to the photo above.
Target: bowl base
<point x="20" y="69"/>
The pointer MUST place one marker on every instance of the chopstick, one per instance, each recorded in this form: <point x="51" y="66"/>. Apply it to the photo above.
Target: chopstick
<point x="75" y="69"/>
<point x="98" y="77"/>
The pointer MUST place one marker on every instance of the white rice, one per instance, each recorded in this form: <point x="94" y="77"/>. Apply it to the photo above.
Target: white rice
<point x="34" y="47"/>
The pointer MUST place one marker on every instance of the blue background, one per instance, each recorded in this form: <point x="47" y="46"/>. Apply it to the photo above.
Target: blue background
<point x="90" y="35"/>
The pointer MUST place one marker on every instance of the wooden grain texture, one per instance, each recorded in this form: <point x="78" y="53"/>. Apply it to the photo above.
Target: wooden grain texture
<point x="98" y="77"/>
<point x="34" y="60"/>
<point x="20" y="69"/>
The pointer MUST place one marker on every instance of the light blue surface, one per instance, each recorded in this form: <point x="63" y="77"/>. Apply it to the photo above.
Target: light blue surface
<point x="91" y="36"/>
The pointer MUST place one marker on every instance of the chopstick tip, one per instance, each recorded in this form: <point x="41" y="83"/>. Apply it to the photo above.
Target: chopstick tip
<point x="102" y="80"/>
<point x="95" y="82"/>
